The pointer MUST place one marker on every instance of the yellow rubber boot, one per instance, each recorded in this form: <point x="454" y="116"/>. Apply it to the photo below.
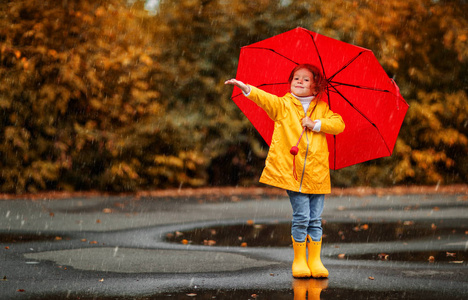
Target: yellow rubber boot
<point x="315" y="263"/>
<point x="299" y="265"/>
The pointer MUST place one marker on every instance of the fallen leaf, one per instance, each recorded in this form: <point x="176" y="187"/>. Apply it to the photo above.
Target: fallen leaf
<point x="254" y="296"/>
<point x="209" y="242"/>
<point x="371" y="278"/>
<point x="93" y="242"/>
<point x="341" y="256"/>
<point x="383" y="256"/>
<point x="365" y="227"/>
<point x="52" y="214"/>
<point x="431" y="258"/>
<point x="185" y="242"/>
<point x="101" y="280"/>
<point x="436" y="208"/>
<point x="107" y="210"/>
<point x="98" y="221"/>
<point x="244" y="244"/>
<point x="408" y="223"/>
<point x="250" y="222"/>
<point x="433" y="226"/>
<point x="7" y="247"/>
<point x="83" y="240"/>
<point x="451" y="254"/>
<point x="191" y="295"/>
<point x="20" y="290"/>
<point x="58" y="238"/>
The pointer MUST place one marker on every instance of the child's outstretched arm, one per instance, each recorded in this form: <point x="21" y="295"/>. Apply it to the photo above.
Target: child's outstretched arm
<point x="244" y="88"/>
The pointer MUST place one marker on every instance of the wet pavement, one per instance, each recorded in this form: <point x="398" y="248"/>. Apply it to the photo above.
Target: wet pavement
<point x="387" y="247"/>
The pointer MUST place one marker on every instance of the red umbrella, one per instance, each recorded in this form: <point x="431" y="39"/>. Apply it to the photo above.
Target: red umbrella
<point x="358" y="89"/>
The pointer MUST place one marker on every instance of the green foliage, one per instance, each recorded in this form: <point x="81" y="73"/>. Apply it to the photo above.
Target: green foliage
<point x="102" y="95"/>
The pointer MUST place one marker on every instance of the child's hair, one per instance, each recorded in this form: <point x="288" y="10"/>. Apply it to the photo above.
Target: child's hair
<point x="319" y="79"/>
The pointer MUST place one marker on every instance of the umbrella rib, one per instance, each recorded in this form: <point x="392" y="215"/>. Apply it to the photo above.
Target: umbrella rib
<point x="318" y="53"/>
<point x="335" y="84"/>
<point x="272" y="50"/>
<point x="358" y="86"/>
<point x="365" y="117"/>
<point x="346" y="65"/>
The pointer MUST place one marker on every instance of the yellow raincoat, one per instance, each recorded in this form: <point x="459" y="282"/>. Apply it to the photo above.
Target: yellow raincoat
<point x="312" y="160"/>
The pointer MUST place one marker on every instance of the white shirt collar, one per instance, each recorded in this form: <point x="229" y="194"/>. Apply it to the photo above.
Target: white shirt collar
<point x="304" y="99"/>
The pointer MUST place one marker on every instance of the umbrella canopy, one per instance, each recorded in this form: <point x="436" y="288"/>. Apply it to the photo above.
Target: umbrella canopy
<point x="358" y="89"/>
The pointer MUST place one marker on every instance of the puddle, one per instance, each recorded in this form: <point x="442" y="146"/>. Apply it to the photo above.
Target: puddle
<point x="26" y="238"/>
<point x="279" y="234"/>
<point x="455" y="257"/>
<point x="277" y="295"/>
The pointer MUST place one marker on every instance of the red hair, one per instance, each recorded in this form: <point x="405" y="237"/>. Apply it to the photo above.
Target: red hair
<point x="319" y="80"/>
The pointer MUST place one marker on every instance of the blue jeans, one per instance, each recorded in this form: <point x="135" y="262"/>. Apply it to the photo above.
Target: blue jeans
<point x="307" y="216"/>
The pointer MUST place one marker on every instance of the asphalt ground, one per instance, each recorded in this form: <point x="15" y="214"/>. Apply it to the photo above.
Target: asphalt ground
<point x="115" y="247"/>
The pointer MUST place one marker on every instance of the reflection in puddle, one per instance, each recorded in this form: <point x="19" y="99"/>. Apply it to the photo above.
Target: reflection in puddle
<point x="279" y="234"/>
<point x="309" y="288"/>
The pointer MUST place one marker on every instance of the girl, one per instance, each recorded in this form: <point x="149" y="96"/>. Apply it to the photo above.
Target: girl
<point x="303" y="172"/>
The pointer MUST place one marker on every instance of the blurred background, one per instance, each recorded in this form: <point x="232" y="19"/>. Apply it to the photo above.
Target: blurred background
<point x="120" y="95"/>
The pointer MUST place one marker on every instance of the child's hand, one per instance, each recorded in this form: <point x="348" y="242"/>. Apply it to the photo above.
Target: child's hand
<point x="245" y="88"/>
<point x="308" y="123"/>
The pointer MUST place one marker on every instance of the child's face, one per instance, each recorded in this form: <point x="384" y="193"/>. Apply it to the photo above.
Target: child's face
<point x="303" y="84"/>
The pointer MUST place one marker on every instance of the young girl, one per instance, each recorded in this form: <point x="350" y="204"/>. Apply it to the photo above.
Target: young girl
<point x="304" y="171"/>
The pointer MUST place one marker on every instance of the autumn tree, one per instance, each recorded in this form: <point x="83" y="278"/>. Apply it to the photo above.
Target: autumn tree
<point x="80" y="106"/>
